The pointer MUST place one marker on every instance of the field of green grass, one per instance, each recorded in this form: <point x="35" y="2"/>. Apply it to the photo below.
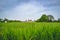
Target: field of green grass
<point x="29" y="31"/>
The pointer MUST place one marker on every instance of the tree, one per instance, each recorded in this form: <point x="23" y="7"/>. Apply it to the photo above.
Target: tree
<point x="14" y="21"/>
<point x="59" y="19"/>
<point x="51" y="18"/>
<point x="5" y="19"/>
<point x="0" y="19"/>
<point x="44" y="18"/>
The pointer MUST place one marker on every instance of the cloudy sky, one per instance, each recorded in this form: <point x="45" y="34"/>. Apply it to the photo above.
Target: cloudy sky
<point x="29" y="9"/>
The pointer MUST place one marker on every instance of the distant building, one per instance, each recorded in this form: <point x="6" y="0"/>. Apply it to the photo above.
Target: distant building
<point x="28" y="20"/>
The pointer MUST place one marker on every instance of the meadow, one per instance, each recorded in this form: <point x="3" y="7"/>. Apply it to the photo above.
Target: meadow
<point x="30" y="31"/>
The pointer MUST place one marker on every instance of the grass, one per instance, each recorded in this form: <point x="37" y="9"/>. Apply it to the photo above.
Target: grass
<point x="29" y="31"/>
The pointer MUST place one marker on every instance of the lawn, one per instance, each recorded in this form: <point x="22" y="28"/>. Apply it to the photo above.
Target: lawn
<point x="29" y="31"/>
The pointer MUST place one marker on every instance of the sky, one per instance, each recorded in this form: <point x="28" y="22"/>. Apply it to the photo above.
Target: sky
<point x="29" y="9"/>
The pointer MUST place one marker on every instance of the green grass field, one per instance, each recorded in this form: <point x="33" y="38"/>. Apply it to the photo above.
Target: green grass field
<point x="29" y="31"/>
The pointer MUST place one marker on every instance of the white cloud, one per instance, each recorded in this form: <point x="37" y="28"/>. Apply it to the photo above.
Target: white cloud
<point x="32" y="9"/>
<point x="25" y="11"/>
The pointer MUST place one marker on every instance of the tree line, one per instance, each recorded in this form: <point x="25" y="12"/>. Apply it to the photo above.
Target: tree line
<point x="47" y="18"/>
<point x="7" y="20"/>
<point x="43" y="18"/>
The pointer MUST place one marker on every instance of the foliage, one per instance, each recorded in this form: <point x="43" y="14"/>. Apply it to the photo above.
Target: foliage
<point x="44" y="18"/>
<point x="51" y="18"/>
<point x="5" y="19"/>
<point x="0" y="20"/>
<point x="14" y="21"/>
<point x="58" y="19"/>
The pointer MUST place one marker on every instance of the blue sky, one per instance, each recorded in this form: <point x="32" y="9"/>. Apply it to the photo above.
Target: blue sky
<point x="29" y="9"/>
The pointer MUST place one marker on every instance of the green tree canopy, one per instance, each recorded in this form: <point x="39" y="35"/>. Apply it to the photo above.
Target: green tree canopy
<point x="44" y="18"/>
<point x="51" y="18"/>
<point x="0" y="19"/>
<point x="59" y="19"/>
<point x="5" y="19"/>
